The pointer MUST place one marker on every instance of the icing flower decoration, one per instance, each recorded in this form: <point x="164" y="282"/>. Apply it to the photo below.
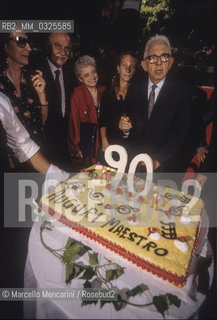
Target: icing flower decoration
<point x="152" y="230"/>
<point x="118" y="191"/>
<point x="168" y="213"/>
<point x="154" y="234"/>
<point x="182" y="239"/>
<point x="132" y="218"/>
<point x="181" y="244"/>
<point x="108" y="206"/>
<point x="108" y="186"/>
<point x="129" y="194"/>
<point x="141" y="199"/>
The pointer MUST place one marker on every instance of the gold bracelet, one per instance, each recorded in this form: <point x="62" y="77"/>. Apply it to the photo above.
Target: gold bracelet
<point x="44" y="105"/>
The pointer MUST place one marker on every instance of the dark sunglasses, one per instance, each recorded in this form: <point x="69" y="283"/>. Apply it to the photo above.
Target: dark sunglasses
<point x="21" y="41"/>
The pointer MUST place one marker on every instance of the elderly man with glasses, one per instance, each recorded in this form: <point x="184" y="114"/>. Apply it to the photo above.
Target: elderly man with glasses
<point x="159" y="109"/>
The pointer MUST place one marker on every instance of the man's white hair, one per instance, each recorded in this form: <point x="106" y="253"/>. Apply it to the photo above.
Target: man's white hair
<point x="154" y="39"/>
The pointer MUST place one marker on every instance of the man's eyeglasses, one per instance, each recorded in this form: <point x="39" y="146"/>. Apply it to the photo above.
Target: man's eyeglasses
<point x="59" y="46"/>
<point x="164" y="57"/>
<point x="21" y="42"/>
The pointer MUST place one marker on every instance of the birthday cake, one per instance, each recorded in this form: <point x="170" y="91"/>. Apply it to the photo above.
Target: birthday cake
<point x="158" y="233"/>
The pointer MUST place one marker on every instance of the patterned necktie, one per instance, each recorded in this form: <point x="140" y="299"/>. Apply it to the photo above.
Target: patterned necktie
<point x="151" y="100"/>
<point x="57" y="81"/>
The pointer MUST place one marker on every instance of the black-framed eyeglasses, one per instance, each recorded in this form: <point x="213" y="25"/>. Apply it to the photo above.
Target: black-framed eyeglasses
<point x="164" y="57"/>
<point x="21" y="41"/>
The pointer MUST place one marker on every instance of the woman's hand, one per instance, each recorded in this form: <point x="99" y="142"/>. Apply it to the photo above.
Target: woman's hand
<point x="156" y="164"/>
<point x="125" y="124"/>
<point x="105" y="145"/>
<point x="79" y="155"/>
<point x="39" y="83"/>
<point x="201" y="153"/>
<point x="201" y="179"/>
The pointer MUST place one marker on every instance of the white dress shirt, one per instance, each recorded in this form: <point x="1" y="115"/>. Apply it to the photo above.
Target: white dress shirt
<point x="158" y="88"/>
<point x="18" y="139"/>
<point x="53" y="69"/>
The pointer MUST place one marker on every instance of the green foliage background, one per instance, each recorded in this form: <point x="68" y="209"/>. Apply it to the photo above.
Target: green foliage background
<point x="155" y="15"/>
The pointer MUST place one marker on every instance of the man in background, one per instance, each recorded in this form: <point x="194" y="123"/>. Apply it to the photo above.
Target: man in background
<point x="58" y="74"/>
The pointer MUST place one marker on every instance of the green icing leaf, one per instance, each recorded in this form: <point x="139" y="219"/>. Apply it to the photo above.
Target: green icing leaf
<point x="79" y="270"/>
<point x="119" y="304"/>
<point x="70" y="253"/>
<point x="109" y="275"/>
<point x="87" y="284"/>
<point x="120" y="270"/>
<point x="113" y="274"/>
<point x="88" y="273"/>
<point x="161" y="303"/>
<point x="93" y="258"/>
<point x="83" y="251"/>
<point x="137" y="290"/>
<point x="70" y="272"/>
<point x="69" y="242"/>
<point x="174" y="300"/>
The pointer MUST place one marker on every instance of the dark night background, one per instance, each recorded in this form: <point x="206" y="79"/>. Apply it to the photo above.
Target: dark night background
<point x="197" y="15"/>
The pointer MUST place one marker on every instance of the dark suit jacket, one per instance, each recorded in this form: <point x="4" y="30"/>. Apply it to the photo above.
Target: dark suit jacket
<point x="210" y="163"/>
<point x="56" y="126"/>
<point x="163" y="135"/>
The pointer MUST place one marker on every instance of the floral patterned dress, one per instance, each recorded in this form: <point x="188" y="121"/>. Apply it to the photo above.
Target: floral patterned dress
<point x="27" y="108"/>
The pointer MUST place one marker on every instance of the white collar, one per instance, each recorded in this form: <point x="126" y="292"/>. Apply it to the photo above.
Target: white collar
<point x="53" y="67"/>
<point x="159" y="84"/>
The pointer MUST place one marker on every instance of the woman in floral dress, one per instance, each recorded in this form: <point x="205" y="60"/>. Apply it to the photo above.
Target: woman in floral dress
<point x="26" y="92"/>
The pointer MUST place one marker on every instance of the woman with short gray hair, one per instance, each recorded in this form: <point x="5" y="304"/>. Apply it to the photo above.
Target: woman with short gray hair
<point x="83" y="61"/>
<point x="83" y="133"/>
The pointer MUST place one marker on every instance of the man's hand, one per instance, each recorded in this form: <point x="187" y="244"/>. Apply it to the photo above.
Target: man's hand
<point x="156" y="164"/>
<point x="201" y="179"/>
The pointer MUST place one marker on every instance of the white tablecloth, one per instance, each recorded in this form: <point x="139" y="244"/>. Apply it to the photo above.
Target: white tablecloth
<point x="44" y="270"/>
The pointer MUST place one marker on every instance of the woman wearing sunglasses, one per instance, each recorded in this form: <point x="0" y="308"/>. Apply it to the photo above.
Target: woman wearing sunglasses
<point x="26" y="91"/>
